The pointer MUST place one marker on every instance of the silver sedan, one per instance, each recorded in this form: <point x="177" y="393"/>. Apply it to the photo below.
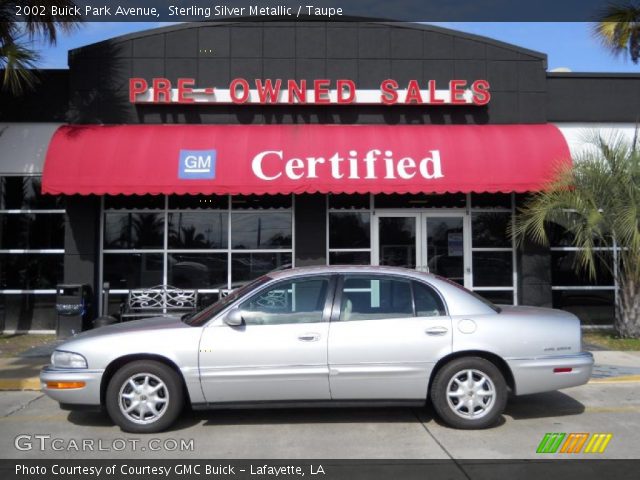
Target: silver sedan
<point x="338" y="336"/>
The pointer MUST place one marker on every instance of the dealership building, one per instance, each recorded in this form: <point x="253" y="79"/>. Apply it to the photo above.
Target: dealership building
<point x="204" y="155"/>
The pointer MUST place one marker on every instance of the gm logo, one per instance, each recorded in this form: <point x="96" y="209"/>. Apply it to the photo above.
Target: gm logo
<point x="197" y="164"/>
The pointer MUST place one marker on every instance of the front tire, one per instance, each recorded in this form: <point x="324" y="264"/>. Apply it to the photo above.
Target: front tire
<point x="469" y="393"/>
<point x="144" y="397"/>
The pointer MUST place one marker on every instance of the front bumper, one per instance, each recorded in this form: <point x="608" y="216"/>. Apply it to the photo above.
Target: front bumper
<point x="535" y="375"/>
<point x="87" y="395"/>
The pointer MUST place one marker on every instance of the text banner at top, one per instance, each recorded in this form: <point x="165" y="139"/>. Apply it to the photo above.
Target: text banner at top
<point x="316" y="10"/>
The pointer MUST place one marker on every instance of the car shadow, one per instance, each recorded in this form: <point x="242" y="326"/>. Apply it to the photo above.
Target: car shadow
<point x="543" y="405"/>
<point x="101" y="419"/>
<point x="309" y="415"/>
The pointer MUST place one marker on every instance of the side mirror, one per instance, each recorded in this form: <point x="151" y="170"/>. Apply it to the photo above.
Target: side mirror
<point x="234" y="318"/>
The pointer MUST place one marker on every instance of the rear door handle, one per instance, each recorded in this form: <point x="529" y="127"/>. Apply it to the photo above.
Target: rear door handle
<point x="436" y="331"/>
<point x="309" y="337"/>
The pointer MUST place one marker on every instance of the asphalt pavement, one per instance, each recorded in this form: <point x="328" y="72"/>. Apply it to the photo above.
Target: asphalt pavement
<point x="33" y="427"/>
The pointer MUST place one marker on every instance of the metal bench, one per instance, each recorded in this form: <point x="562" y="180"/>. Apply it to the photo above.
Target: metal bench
<point x="159" y="301"/>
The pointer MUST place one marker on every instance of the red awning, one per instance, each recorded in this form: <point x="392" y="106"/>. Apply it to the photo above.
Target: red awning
<point x="258" y="159"/>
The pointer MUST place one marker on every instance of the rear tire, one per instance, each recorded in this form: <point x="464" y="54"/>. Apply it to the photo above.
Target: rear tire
<point x="469" y="393"/>
<point x="144" y="396"/>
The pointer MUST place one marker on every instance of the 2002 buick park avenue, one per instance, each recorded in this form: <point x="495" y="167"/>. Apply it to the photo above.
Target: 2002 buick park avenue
<point x="337" y="336"/>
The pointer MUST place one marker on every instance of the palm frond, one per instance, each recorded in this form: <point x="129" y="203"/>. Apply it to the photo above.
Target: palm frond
<point x="18" y="63"/>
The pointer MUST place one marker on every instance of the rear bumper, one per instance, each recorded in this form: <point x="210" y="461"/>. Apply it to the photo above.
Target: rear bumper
<point x="534" y="375"/>
<point x="87" y="395"/>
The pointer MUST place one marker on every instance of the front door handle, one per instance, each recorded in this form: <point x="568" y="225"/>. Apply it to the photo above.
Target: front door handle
<point x="436" y="331"/>
<point x="309" y="337"/>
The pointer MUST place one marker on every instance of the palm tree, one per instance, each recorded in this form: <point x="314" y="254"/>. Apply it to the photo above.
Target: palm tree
<point x="598" y="201"/>
<point x="619" y="29"/>
<point x="17" y="57"/>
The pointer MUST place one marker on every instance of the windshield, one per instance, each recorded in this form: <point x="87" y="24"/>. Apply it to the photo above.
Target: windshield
<point x="200" y="318"/>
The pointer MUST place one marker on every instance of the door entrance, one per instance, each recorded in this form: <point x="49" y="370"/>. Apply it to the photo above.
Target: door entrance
<point x="435" y="242"/>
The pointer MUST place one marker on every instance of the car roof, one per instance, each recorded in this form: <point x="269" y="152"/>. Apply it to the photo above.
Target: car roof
<point x="353" y="269"/>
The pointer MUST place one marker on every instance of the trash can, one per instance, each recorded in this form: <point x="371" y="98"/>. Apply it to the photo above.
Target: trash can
<point x="72" y="305"/>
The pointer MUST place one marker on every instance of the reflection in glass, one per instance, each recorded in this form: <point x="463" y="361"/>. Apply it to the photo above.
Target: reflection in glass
<point x="198" y="230"/>
<point x="593" y="307"/>
<point x="492" y="269"/>
<point x="32" y="231"/>
<point x="247" y="266"/>
<point x="563" y="270"/>
<point x="445" y="247"/>
<point x="197" y="270"/>
<point x="133" y="230"/>
<point x="261" y="230"/>
<point x="349" y="258"/>
<point x="349" y="230"/>
<point x="30" y="271"/>
<point x="133" y="270"/>
<point x="397" y="245"/>
<point x="489" y="229"/>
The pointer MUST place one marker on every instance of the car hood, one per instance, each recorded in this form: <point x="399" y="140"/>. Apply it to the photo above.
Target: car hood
<point x="147" y="324"/>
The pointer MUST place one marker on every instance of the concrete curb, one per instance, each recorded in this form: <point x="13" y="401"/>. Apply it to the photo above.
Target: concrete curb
<point x="8" y="384"/>
<point x="621" y="379"/>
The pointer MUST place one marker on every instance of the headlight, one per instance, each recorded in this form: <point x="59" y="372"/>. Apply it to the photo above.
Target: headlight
<point x="60" y="359"/>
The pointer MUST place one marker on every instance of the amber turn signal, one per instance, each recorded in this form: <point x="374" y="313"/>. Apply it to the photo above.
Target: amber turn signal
<point x="65" y="385"/>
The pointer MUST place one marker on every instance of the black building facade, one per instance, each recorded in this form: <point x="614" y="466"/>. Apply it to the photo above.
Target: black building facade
<point x="215" y="242"/>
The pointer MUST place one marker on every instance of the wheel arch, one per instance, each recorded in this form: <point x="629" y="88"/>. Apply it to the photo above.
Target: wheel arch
<point x="498" y="361"/>
<point x="119" y="362"/>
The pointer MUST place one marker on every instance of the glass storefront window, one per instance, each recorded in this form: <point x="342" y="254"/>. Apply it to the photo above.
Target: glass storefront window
<point x="592" y="307"/>
<point x="492" y="269"/>
<point x="489" y="230"/>
<point x="133" y="230"/>
<point x="133" y="270"/>
<point x="31" y="231"/>
<point x="260" y="231"/>
<point x="563" y="271"/>
<point x="30" y="271"/>
<point x="197" y="270"/>
<point x="497" y="297"/>
<point x="196" y="242"/>
<point x="247" y="266"/>
<point x="349" y="258"/>
<point x="198" y="230"/>
<point x="349" y="230"/>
